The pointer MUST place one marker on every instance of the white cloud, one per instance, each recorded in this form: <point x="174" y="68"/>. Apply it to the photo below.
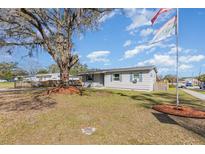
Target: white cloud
<point x="159" y="60"/>
<point x="146" y="32"/>
<point x="185" y="67"/>
<point x="107" y="16"/>
<point x="98" y="56"/>
<point x="173" y="50"/>
<point x="151" y="50"/>
<point x="172" y="70"/>
<point x="167" y="63"/>
<point x="191" y="58"/>
<point x="127" y="43"/>
<point x="180" y="49"/>
<point x="189" y="50"/>
<point x="140" y="48"/>
<point x="139" y="17"/>
<point x="134" y="52"/>
<point x="133" y="32"/>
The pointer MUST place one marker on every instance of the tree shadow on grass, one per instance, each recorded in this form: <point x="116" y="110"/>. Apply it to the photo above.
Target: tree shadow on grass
<point x="35" y="102"/>
<point x="143" y="99"/>
<point x="183" y="99"/>
<point x="96" y="92"/>
<point x="194" y="125"/>
<point x="147" y="100"/>
<point x="164" y="118"/>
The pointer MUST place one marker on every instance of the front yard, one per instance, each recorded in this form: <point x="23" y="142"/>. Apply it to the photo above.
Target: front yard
<point x="120" y="117"/>
<point x="6" y="85"/>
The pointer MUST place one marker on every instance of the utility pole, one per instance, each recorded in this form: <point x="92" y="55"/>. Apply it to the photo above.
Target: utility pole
<point x="177" y="58"/>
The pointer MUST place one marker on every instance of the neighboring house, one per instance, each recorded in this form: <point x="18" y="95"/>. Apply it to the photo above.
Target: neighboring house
<point x="45" y="77"/>
<point x="134" y="78"/>
<point x="3" y="80"/>
<point x="191" y="80"/>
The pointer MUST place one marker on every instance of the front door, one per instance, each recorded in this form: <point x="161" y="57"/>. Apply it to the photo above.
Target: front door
<point x="102" y="78"/>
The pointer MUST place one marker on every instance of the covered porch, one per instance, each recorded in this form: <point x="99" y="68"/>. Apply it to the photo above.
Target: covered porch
<point x="93" y="79"/>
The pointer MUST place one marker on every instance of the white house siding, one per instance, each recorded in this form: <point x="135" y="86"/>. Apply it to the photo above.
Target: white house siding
<point x="148" y="79"/>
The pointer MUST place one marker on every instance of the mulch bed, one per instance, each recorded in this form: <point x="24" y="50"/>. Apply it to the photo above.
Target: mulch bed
<point x="64" y="90"/>
<point x="182" y="111"/>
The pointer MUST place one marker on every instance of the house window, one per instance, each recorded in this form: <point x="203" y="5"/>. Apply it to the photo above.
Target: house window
<point x="116" y="77"/>
<point x="90" y="77"/>
<point x="137" y="77"/>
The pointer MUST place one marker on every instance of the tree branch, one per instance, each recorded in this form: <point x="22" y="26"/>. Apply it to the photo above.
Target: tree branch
<point x="3" y="44"/>
<point x="38" y="25"/>
<point x="73" y="62"/>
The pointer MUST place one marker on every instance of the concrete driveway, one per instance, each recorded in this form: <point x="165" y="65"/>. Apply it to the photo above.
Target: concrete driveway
<point x="195" y="94"/>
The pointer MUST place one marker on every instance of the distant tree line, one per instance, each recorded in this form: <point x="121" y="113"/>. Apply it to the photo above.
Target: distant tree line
<point x="8" y="71"/>
<point x="170" y="78"/>
<point x="76" y="69"/>
<point x="201" y="78"/>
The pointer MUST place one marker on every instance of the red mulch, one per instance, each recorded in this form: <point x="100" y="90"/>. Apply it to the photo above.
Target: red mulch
<point x="182" y="111"/>
<point x="64" y="90"/>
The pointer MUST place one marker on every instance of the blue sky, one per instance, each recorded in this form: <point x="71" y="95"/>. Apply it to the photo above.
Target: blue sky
<point x="121" y="40"/>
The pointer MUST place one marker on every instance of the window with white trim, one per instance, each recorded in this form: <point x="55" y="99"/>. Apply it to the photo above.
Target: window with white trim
<point x="137" y="77"/>
<point x="116" y="77"/>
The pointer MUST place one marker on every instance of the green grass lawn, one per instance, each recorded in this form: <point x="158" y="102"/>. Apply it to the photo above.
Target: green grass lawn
<point x="120" y="117"/>
<point x="6" y="84"/>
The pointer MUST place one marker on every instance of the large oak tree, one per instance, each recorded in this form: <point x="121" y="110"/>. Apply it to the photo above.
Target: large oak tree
<point x="50" y="29"/>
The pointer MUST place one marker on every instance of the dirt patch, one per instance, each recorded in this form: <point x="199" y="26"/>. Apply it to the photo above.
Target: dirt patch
<point x="23" y="101"/>
<point x="63" y="90"/>
<point x="182" y="111"/>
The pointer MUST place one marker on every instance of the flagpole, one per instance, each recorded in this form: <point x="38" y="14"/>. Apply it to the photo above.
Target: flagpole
<point x="177" y="59"/>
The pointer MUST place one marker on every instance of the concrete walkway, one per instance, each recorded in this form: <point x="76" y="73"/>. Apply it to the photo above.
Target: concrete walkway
<point x="195" y="94"/>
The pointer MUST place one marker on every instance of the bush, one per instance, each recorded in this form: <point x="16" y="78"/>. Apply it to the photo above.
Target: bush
<point x="172" y="86"/>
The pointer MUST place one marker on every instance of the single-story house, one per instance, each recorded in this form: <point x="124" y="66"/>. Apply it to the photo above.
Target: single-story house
<point x="1" y="80"/>
<point x="134" y="78"/>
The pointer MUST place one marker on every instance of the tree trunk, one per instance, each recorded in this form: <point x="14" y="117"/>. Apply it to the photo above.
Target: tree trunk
<point x="64" y="77"/>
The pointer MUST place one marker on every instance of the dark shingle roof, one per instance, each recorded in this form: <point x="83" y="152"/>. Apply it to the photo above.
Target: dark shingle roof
<point x="141" y="68"/>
